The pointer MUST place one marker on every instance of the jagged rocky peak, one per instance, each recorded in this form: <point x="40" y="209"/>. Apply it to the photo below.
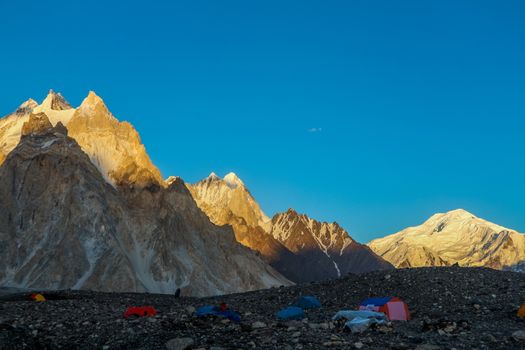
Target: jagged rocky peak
<point x="231" y="179"/>
<point x="327" y="249"/>
<point x="37" y="124"/>
<point x="55" y="101"/>
<point x="213" y="177"/>
<point x="227" y="198"/>
<point x="93" y="105"/>
<point x="176" y="183"/>
<point x="26" y="107"/>
<point x="113" y="146"/>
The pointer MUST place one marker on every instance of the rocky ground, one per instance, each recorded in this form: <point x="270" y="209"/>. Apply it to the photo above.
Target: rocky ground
<point x="453" y="307"/>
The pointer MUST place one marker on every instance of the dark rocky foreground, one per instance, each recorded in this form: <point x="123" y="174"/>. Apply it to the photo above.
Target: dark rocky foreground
<point x="462" y="308"/>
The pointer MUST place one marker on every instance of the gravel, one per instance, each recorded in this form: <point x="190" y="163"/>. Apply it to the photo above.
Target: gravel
<point x="451" y="307"/>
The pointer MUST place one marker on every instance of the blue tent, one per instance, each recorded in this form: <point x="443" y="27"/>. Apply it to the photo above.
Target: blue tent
<point x="375" y="301"/>
<point x="216" y="311"/>
<point x="308" y="302"/>
<point x="291" y="313"/>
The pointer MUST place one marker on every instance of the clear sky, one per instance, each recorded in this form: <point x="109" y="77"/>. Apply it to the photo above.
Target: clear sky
<point x="375" y="114"/>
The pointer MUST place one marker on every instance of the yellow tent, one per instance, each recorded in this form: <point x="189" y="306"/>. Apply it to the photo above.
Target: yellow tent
<point x="38" y="297"/>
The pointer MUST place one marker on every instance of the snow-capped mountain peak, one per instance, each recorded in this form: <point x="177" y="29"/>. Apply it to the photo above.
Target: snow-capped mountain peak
<point x="220" y="198"/>
<point x="232" y="180"/>
<point x="26" y="107"/>
<point x="93" y="105"/>
<point x="453" y="237"/>
<point x="114" y="147"/>
<point x="213" y="177"/>
<point x="55" y="101"/>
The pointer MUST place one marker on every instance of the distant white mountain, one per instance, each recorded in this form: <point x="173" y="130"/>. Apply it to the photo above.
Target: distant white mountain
<point x="454" y="237"/>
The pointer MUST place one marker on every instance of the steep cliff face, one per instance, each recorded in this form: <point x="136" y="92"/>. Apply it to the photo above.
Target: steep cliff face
<point x="114" y="147"/>
<point x="454" y="237"/>
<point x="65" y="226"/>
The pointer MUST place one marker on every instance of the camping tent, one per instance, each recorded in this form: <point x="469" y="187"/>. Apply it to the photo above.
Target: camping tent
<point x="521" y="311"/>
<point x="394" y="308"/>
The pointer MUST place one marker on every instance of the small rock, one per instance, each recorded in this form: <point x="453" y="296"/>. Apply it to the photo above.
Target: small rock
<point x="332" y="343"/>
<point x="296" y="335"/>
<point x="179" y="344"/>
<point x="358" y="345"/>
<point x="489" y="338"/>
<point x="258" y="325"/>
<point x="519" y="335"/>
<point x="387" y="277"/>
<point x="427" y="347"/>
<point x="190" y="309"/>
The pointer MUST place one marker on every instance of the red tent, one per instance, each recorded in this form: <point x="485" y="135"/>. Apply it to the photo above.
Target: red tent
<point x="140" y="311"/>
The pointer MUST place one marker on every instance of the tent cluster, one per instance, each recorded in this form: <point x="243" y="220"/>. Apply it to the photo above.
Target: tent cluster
<point x="369" y="312"/>
<point x="394" y="308"/>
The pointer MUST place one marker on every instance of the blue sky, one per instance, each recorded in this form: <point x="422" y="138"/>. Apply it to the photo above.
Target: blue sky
<point x="375" y="114"/>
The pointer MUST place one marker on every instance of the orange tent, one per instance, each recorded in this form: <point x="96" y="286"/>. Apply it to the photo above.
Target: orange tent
<point x="521" y="311"/>
<point x="38" y="297"/>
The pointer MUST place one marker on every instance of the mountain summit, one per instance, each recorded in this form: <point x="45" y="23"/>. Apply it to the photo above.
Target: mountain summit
<point x="226" y="197"/>
<point x="326" y="249"/>
<point x="113" y="146"/>
<point x="453" y="237"/>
